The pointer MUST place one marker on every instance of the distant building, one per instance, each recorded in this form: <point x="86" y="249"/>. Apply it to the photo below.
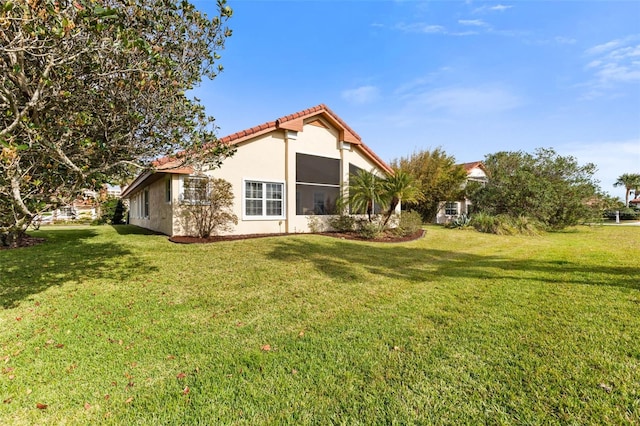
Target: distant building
<point x="449" y="210"/>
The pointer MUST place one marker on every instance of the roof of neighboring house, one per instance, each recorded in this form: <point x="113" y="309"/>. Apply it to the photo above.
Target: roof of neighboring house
<point x="293" y="122"/>
<point x="635" y="201"/>
<point x="470" y="166"/>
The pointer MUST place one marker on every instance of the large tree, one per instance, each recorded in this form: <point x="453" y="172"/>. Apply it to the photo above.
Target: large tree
<point x="437" y="176"/>
<point x="545" y="186"/>
<point x="93" y="90"/>
<point x="630" y="182"/>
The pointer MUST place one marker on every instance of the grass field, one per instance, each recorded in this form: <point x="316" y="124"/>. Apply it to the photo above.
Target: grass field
<point x="107" y="325"/>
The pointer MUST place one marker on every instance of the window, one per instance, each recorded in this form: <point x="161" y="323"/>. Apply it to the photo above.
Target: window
<point x="145" y="198"/>
<point x="318" y="202"/>
<point x="167" y="190"/>
<point x="317" y="184"/>
<point x="451" y="209"/>
<point x="263" y="199"/>
<point x="195" y="189"/>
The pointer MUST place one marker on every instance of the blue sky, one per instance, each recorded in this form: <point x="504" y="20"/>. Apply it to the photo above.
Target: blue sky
<point x="470" y="77"/>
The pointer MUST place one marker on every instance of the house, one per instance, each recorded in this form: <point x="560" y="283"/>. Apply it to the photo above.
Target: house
<point x="83" y="207"/>
<point x="283" y="173"/>
<point x="449" y="210"/>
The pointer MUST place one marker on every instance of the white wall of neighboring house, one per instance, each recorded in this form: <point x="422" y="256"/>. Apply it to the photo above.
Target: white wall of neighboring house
<point x="449" y="210"/>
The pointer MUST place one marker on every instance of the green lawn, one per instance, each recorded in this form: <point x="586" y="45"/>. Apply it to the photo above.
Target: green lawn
<point x="109" y="325"/>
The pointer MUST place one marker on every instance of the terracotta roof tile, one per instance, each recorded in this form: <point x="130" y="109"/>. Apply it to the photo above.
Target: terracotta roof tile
<point x="347" y="134"/>
<point x="472" y="165"/>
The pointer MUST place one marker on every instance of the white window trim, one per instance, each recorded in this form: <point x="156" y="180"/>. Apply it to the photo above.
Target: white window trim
<point x="456" y="203"/>
<point x="264" y="206"/>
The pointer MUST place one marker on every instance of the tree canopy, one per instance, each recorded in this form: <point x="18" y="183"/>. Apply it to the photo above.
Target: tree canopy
<point x="630" y="182"/>
<point x="91" y="90"/>
<point x="437" y="177"/>
<point x="545" y="186"/>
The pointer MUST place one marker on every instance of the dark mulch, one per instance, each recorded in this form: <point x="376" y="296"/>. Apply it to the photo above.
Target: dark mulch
<point x="25" y="241"/>
<point x="385" y="238"/>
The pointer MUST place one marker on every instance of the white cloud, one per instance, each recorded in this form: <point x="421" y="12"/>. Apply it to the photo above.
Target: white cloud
<point x="361" y="95"/>
<point x="612" y="158"/>
<point x="419" y="82"/>
<point x="421" y="27"/>
<point x="496" y="8"/>
<point x="465" y="101"/>
<point x="473" y="22"/>
<point x="613" y="64"/>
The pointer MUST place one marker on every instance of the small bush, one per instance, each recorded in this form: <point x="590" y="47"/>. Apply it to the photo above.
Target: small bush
<point x="342" y="223"/>
<point x="460" y="222"/>
<point x="527" y="226"/>
<point x="410" y="223"/>
<point x="506" y="225"/>
<point x="626" y="213"/>
<point x="315" y="224"/>
<point x="368" y="230"/>
<point x="483" y="222"/>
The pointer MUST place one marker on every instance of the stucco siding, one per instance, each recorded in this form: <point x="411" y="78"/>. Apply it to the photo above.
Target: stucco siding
<point x="160" y="218"/>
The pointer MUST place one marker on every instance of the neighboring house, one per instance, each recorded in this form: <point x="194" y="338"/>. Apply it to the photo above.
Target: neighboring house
<point x="283" y="172"/>
<point x="84" y="207"/>
<point x="449" y="210"/>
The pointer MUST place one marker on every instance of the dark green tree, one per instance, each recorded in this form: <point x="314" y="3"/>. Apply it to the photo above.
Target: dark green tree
<point x="554" y="190"/>
<point x="92" y="91"/>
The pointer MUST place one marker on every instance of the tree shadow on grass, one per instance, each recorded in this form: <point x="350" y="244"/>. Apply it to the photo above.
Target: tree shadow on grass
<point x="346" y="261"/>
<point x="67" y="256"/>
<point x="133" y="230"/>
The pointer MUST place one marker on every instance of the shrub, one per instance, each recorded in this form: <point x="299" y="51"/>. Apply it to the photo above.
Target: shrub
<point x="461" y="221"/>
<point x="112" y="212"/>
<point x="503" y="224"/>
<point x="342" y="223"/>
<point x="484" y="223"/>
<point x="410" y="223"/>
<point x="528" y="226"/>
<point x="212" y="210"/>
<point x="315" y="224"/>
<point x="368" y="230"/>
<point x="626" y="213"/>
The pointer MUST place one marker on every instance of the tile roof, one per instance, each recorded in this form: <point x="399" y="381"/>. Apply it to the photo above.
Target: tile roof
<point x="472" y="165"/>
<point x="293" y="121"/>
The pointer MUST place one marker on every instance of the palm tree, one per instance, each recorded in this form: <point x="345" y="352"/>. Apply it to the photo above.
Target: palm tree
<point x="630" y="181"/>
<point x="365" y="190"/>
<point x="400" y="187"/>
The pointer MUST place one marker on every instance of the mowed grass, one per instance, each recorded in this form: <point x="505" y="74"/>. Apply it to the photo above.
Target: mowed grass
<point x="104" y="325"/>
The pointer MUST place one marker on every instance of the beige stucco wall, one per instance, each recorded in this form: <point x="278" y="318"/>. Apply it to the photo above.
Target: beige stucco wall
<point x="265" y="158"/>
<point x="261" y="159"/>
<point x="160" y="217"/>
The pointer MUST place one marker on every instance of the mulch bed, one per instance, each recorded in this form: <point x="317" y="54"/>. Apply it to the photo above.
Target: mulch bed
<point x="385" y="238"/>
<point x="25" y="241"/>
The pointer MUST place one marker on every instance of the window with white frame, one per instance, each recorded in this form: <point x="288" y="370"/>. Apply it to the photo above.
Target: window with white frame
<point x="451" y="208"/>
<point x="263" y="200"/>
